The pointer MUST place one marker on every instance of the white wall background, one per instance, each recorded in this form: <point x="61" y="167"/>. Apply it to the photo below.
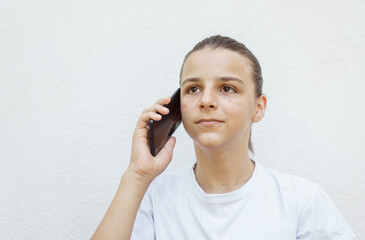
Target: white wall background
<point x="75" y="75"/>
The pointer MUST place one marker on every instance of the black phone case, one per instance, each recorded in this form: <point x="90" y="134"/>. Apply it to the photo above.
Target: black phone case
<point x="160" y="131"/>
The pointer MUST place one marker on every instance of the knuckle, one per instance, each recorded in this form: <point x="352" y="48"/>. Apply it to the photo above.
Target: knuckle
<point x="146" y="110"/>
<point x="144" y="115"/>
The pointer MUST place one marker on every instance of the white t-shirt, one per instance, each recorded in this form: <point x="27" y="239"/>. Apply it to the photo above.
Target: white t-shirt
<point x="271" y="205"/>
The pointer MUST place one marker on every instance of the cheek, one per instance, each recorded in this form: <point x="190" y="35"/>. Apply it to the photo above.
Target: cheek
<point x="187" y="115"/>
<point x="238" y="111"/>
<point x="185" y="112"/>
<point x="186" y="105"/>
<point x="183" y="109"/>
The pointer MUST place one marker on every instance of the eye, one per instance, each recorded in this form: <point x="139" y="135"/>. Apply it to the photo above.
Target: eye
<point x="228" y="89"/>
<point x="193" y="90"/>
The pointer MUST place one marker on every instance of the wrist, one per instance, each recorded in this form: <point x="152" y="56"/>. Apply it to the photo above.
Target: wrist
<point x="136" y="177"/>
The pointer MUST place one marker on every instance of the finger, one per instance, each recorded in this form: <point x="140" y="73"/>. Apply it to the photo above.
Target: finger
<point x="146" y="117"/>
<point x="151" y="113"/>
<point x="169" y="146"/>
<point x="165" y="155"/>
<point x="157" y="108"/>
<point x="164" y="100"/>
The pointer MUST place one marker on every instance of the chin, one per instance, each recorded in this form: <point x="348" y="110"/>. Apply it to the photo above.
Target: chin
<point x="209" y="141"/>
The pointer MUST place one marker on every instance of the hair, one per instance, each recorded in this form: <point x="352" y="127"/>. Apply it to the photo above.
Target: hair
<point x="219" y="41"/>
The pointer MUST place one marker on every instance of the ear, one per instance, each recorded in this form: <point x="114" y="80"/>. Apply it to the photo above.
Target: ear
<point x="260" y="108"/>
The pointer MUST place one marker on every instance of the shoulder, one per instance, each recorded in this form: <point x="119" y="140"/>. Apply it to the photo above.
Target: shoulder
<point x="296" y="193"/>
<point x="172" y="180"/>
<point x="289" y="183"/>
<point x="316" y="215"/>
<point x="171" y="175"/>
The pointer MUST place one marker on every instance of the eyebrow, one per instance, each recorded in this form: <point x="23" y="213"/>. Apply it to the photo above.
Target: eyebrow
<point x="220" y="79"/>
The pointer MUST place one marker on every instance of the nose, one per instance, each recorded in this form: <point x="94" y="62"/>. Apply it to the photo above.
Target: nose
<point x="208" y="100"/>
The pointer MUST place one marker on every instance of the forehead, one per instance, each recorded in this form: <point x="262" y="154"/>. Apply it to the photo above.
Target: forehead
<point x="210" y="62"/>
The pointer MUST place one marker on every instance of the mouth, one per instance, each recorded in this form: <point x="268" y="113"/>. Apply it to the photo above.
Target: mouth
<point x="209" y="122"/>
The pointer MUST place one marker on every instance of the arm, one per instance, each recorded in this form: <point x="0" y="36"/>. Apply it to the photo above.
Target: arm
<point x="143" y="168"/>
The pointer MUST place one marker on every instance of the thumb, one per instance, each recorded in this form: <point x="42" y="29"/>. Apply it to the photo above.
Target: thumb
<point x="165" y="155"/>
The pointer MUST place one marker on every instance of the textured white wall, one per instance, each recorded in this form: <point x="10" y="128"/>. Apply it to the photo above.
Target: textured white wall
<point x="75" y="75"/>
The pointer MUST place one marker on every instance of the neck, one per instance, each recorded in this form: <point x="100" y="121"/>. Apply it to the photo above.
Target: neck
<point x="222" y="170"/>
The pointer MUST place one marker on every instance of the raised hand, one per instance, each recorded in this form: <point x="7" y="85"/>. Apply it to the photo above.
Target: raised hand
<point x="142" y="162"/>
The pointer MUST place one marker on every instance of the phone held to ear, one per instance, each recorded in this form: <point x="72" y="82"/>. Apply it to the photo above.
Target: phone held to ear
<point x="160" y="131"/>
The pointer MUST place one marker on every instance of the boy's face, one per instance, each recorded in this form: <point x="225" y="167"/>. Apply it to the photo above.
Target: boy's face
<point x="218" y="103"/>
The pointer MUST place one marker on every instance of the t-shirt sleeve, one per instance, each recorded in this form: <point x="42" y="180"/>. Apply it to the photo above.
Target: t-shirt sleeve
<point x="320" y="219"/>
<point x="143" y="228"/>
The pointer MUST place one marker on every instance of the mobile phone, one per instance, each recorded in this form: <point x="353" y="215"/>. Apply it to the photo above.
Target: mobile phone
<point x="160" y="131"/>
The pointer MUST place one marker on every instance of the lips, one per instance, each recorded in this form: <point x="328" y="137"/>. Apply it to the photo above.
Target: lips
<point x="209" y="122"/>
